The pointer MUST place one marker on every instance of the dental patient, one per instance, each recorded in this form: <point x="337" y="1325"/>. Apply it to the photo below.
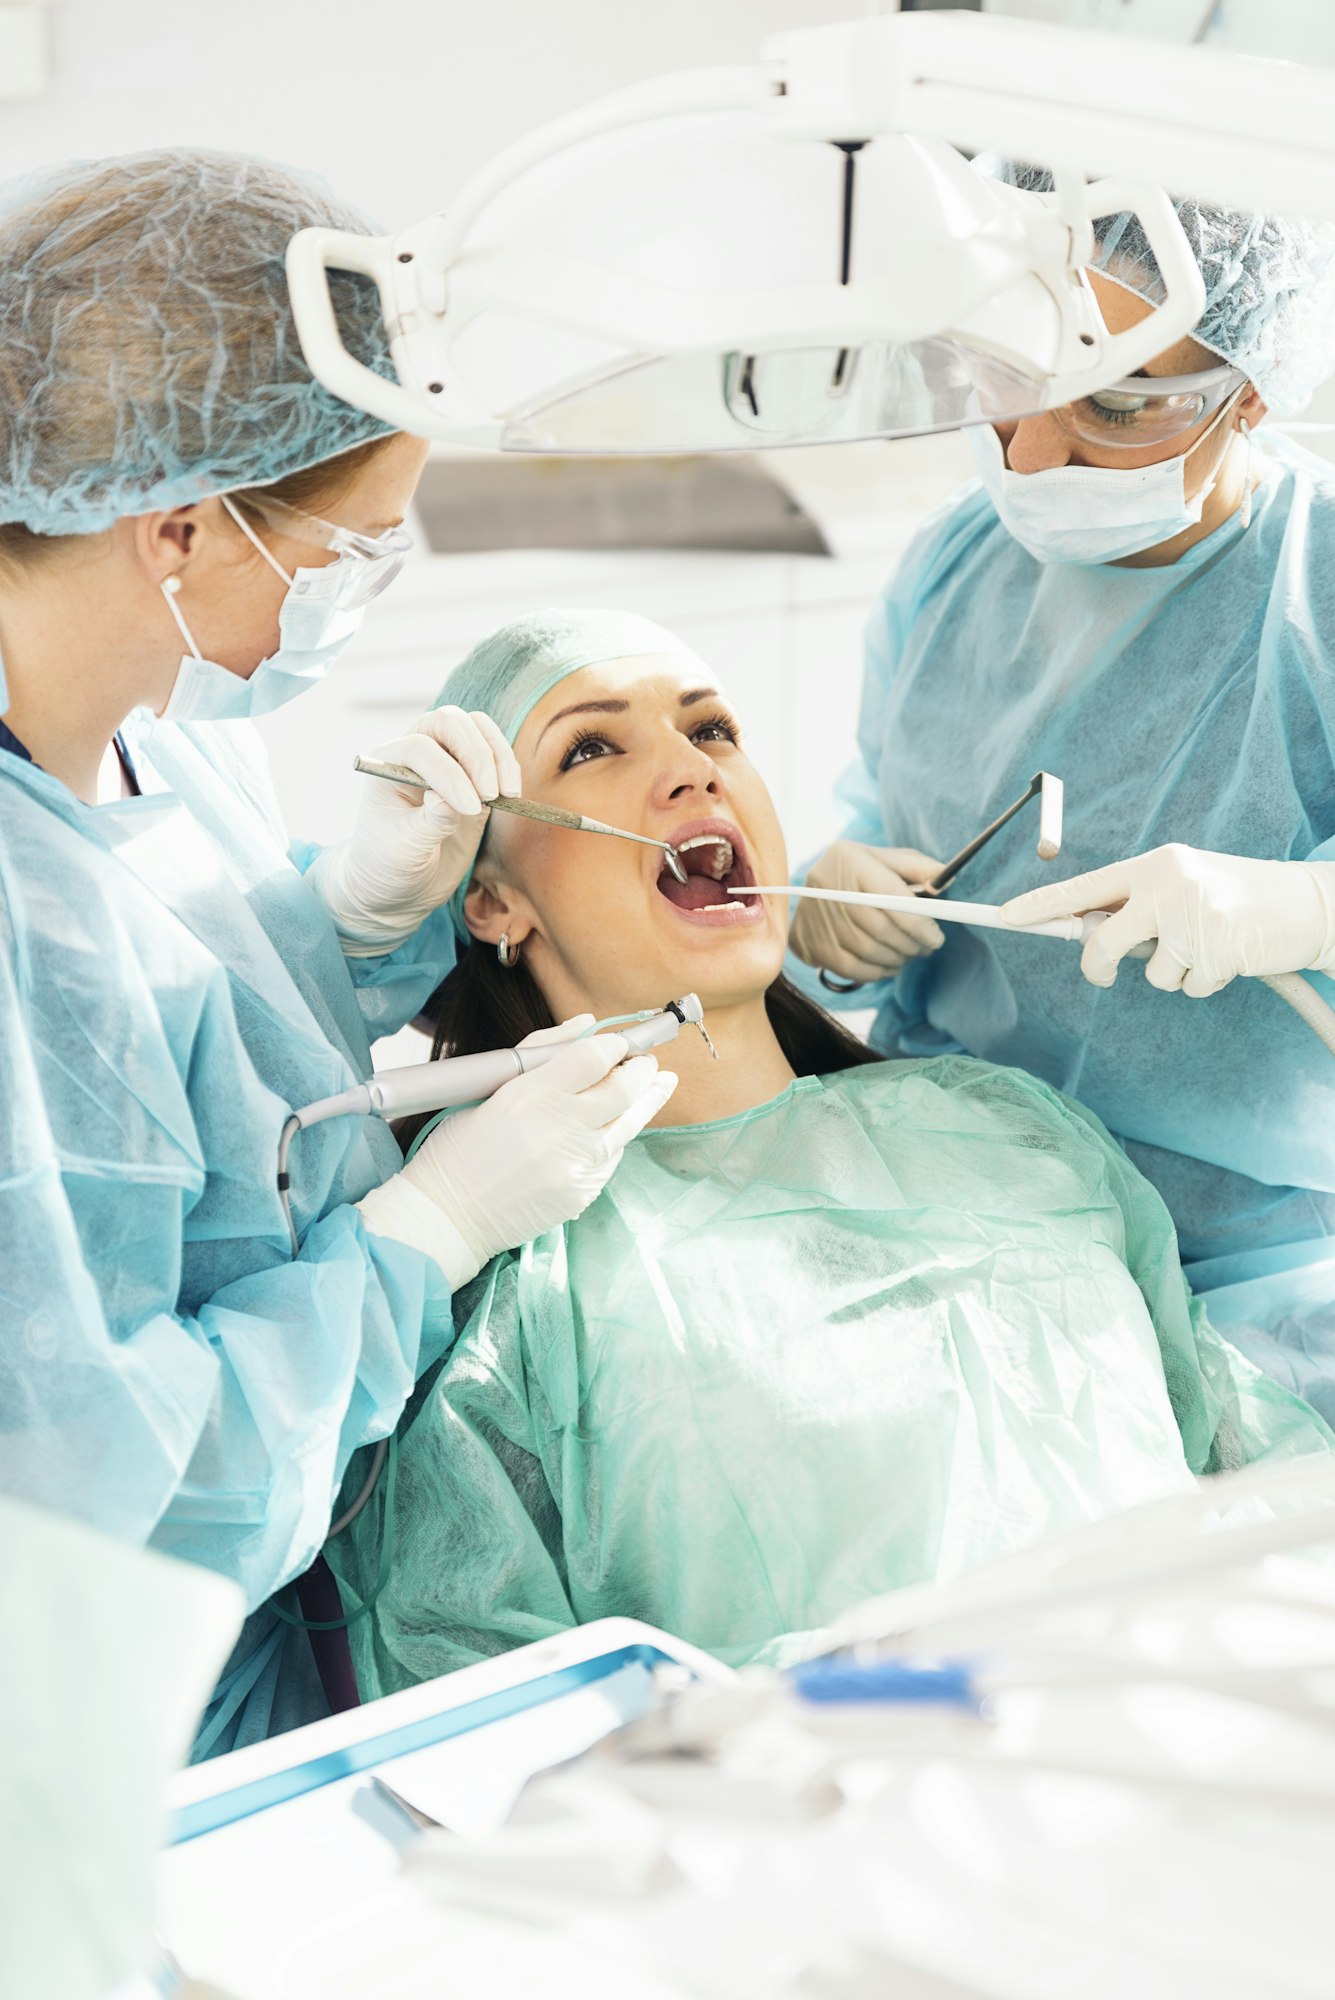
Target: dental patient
<point x="834" y="1326"/>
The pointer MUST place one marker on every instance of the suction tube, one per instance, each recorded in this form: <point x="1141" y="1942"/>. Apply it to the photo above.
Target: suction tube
<point x="1306" y="1001"/>
<point x="1301" y="995"/>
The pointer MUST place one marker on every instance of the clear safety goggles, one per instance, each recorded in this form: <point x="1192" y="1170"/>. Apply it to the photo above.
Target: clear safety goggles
<point x="373" y="560"/>
<point x="1141" y="411"/>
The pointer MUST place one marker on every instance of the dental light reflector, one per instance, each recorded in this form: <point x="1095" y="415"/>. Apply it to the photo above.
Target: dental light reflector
<point x="644" y="277"/>
<point x="749" y="401"/>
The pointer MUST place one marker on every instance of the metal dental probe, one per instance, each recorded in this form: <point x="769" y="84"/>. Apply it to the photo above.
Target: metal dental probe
<point x="1051" y="796"/>
<point x="403" y="774"/>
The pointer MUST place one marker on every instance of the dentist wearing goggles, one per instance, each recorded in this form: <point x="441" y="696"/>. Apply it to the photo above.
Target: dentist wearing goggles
<point x="1140" y="597"/>
<point x="190" y="532"/>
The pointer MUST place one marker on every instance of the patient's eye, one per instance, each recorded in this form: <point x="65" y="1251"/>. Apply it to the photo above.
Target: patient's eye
<point x="715" y="729"/>
<point x="588" y="745"/>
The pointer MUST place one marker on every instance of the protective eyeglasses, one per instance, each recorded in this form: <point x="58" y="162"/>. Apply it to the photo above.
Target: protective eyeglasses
<point x="1141" y="411"/>
<point x="376" y="559"/>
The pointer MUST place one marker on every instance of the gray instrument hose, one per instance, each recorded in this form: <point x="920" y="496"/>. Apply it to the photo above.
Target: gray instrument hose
<point x="1306" y="1001"/>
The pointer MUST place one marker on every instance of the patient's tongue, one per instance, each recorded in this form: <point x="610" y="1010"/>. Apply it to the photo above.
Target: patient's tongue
<point x="697" y="892"/>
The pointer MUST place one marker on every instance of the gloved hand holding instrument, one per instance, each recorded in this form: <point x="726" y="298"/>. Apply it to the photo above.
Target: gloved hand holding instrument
<point x="1199" y="919"/>
<point x="549" y="1120"/>
<point x="1210" y="917"/>
<point x="413" y="844"/>
<point x="531" y="1157"/>
<point x="862" y="942"/>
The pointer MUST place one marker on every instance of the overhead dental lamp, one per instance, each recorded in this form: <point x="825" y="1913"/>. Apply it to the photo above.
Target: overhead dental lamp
<point x="798" y="253"/>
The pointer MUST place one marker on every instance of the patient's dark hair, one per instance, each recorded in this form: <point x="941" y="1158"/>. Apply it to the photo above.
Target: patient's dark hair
<point x="484" y="1005"/>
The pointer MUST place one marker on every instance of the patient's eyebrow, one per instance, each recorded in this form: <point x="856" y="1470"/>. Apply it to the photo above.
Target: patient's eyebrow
<point x="583" y="708"/>
<point x="698" y="694"/>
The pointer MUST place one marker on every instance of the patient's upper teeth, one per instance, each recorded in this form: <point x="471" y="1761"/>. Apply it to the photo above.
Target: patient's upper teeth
<point x="722" y="858"/>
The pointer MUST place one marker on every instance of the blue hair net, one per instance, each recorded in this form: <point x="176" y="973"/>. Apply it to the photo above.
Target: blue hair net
<point x="507" y="674"/>
<point x="148" y="354"/>
<point x="1269" y="285"/>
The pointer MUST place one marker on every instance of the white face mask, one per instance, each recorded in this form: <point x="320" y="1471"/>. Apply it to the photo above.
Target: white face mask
<point x="315" y="623"/>
<point x="1090" y="513"/>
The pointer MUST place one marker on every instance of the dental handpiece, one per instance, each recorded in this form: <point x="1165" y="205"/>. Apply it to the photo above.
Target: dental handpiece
<point x="456" y="1080"/>
<point x="403" y="774"/>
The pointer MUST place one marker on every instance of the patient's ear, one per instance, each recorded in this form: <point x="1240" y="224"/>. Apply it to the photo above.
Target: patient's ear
<point x="492" y="911"/>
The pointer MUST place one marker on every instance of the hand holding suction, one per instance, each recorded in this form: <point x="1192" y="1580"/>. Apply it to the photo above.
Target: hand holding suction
<point x="1208" y="917"/>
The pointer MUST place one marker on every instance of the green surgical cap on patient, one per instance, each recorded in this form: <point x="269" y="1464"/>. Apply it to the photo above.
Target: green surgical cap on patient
<point x="1269" y="284"/>
<point x="148" y="353"/>
<point x="510" y="671"/>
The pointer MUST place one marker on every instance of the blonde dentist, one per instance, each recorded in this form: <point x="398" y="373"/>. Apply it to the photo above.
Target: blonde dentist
<point x="190" y="530"/>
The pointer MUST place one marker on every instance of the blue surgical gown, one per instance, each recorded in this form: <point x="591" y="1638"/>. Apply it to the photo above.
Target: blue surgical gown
<point x="170" y="988"/>
<point x="1190" y="703"/>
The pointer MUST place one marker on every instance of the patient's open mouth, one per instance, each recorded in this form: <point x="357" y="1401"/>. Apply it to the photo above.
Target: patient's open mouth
<point x="715" y="861"/>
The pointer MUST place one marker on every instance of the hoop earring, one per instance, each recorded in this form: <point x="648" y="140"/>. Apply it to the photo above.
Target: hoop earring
<point x="507" y="953"/>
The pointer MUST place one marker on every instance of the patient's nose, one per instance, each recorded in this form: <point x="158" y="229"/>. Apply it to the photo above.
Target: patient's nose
<point x="691" y="773"/>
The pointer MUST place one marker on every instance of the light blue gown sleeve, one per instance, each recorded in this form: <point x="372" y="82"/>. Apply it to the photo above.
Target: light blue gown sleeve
<point x="477" y="1558"/>
<point x="1229" y="1413"/>
<point x="393" y="989"/>
<point x="219" y="1435"/>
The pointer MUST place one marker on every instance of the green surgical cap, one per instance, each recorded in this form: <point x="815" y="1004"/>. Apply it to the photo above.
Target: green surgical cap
<point x="510" y="671"/>
<point x="148" y="353"/>
<point x="1269" y="285"/>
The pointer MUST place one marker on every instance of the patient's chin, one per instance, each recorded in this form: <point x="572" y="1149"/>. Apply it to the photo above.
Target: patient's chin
<point x="729" y="972"/>
<point x="726" y="967"/>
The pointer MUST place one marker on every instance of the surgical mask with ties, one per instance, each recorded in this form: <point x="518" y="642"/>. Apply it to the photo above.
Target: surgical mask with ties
<point x="1090" y="513"/>
<point x="321" y="612"/>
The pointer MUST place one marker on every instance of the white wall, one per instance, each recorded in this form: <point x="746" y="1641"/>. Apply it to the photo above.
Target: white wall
<point x="395" y="100"/>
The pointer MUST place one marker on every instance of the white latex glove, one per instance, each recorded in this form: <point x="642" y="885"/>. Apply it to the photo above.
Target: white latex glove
<point x="533" y="1156"/>
<point x="854" y="942"/>
<point x="1214" y="915"/>
<point x="410" y="850"/>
